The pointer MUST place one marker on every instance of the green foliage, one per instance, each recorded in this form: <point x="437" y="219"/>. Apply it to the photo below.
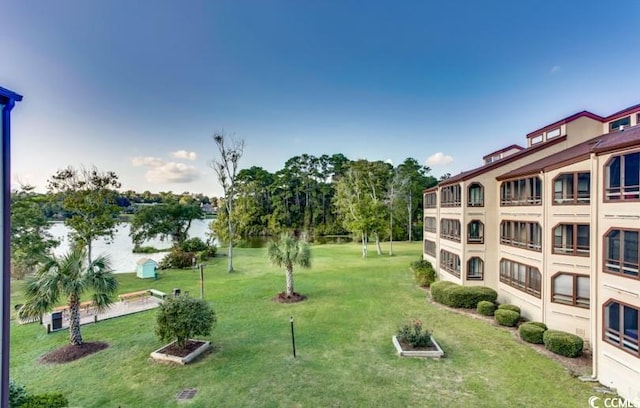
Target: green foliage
<point x="47" y="400"/>
<point x="506" y="317"/>
<point x="510" y="307"/>
<point x="209" y="252"/>
<point x="144" y="250"/>
<point x="414" y="334"/>
<point x="193" y="245"/>
<point x="170" y="219"/>
<point x="423" y="273"/>
<point x="287" y="252"/>
<point x="177" y="259"/>
<point x="70" y="277"/>
<point x="89" y="196"/>
<point x="563" y="343"/>
<point x="532" y="332"/>
<point x="467" y="297"/>
<point x="183" y="317"/>
<point x="438" y="290"/>
<point x="30" y="239"/>
<point x="486" y="308"/>
<point x="17" y="394"/>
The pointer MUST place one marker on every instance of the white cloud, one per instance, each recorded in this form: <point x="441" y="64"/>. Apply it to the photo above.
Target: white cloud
<point x="389" y="161"/>
<point x="160" y="171"/>
<point x="183" y="154"/>
<point x="439" y="159"/>
<point x="555" y="69"/>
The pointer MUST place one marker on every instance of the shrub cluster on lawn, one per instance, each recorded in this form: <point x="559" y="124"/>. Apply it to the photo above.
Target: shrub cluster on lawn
<point x="532" y="332"/>
<point x="423" y="273"/>
<point x="182" y="317"/>
<point x="182" y="256"/>
<point x="19" y="398"/>
<point x="506" y="317"/>
<point x="563" y="343"/>
<point x="414" y="334"/>
<point x="454" y="295"/>
<point x="486" y="308"/>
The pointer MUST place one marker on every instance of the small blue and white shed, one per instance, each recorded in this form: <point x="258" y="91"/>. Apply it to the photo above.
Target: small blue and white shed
<point x="146" y="268"/>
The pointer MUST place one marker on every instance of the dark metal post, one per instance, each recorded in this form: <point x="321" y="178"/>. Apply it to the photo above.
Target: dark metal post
<point x="293" y="338"/>
<point x="201" y="281"/>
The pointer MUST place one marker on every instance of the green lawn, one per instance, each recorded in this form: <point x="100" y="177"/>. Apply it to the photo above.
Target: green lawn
<point x="343" y="337"/>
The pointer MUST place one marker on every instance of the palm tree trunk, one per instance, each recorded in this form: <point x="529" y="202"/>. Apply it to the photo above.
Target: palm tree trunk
<point x="74" y="322"/>
<point x="289" y="279"/>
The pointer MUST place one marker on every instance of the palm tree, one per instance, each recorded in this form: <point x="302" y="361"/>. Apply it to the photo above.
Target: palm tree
<point x="289" y="251"/>
<point x="70" y="276"/>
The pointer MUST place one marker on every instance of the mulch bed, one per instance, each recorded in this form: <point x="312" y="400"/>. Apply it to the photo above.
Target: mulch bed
<point x="578" y="366"/>
<point x="174" y="350"/>
<point x="408" y="347"/>
<point x="294" y="298"/>
<point x="70" y="352"/>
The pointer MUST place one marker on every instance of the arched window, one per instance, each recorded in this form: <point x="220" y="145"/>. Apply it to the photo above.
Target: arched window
<point x="621" y="252"/>
<point x="570" y="289"/>
<point x="475" y="232"/>
<point x="475" y="269"/>
<point x="475" y="195"/>
<point x="621" y="323"/>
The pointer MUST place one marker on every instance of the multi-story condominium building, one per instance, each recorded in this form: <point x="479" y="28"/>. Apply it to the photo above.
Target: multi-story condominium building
<point x="554" y="228"/>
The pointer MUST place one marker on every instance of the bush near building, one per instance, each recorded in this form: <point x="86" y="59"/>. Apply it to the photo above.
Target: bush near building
<point x="510" y="307"/>
<point x="506" y="317"/>
<point x="563" y="343"/>
<point x="532" y="332"/>
<point x="467" y="297"/>
<point x="423" y="273"/>
<point x="486" y="308"/>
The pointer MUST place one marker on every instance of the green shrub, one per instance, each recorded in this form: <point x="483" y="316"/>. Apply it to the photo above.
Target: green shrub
<point x="438" y="290"/>
<point x="510" y="307"/>
<point x="486" y="308"/>
<point x="17" y="394"/>
<point x="183" y="317"/>
<point x="413" y="333"/>
<point x="468" y="296"/>
<point x="144" y="250"/>
<point x="193" y="245"/>
<point x="539" y="324"/>
<point x="532" y="332"/>
<point x="210" y="252"/>
<point x="423" y="273"/>
<point x="563" y="343"/>
<point x="507" y="317"/>
<point x="48" y="400"/>
<point x="177" y="259"/>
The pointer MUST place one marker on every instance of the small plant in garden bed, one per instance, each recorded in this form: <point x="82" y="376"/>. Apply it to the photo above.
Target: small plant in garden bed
<point x="510" y="307"/>
<point x="565" y="344"/>
<point x="414" y="335"/>
<point x="532" y="332"/>
<point x="506" y="317"/>
<point x="486" y="308"/>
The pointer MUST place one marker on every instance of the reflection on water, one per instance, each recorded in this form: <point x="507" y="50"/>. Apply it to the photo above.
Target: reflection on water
<point x="120" y="249"/>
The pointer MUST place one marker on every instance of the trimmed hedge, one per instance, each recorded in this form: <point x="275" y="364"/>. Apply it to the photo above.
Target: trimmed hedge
<point x="539" y="324"/>
<point x="423" y="273"/>
<point x="438" y="290"/>
<point x="454" y="295"/>
<point x="48" y="400"/>
<point x="507" y="317"/>
<point x="532" y="332"/>
<point x="486" y="308"/>
<point x="563" y="343"/>
<point x="510" y="307"/>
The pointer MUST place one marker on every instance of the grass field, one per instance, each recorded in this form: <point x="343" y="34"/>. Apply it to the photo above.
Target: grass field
<point x="343" y="335"/>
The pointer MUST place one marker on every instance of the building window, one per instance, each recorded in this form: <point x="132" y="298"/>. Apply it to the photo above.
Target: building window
<point x="450" y="229"/>
<point x="571" y="239"/>
<point x="621" y="253"/>
<point x="537" y="139"/>
<point x="450" y="196"/>
<point x="615" y="125"/>
<point x="621" y="326"/>
<point x="521" y="234"/>
<point x="430" y="200"/>
<point x="476" y="195"/>
<point x="430" y="248"/>
<point x="572" y="188"/>
<point x="475" y="232"/>
<point x="526" y="191"/>
<point x="571" y="289"/>
<point x="475" y="269"/>
<point x="623" y="177"/>
<point x="553" y="133"/>
<point x="522" y="277"/>
<point x="430" y="224"/>
<point x="450" y="262"/>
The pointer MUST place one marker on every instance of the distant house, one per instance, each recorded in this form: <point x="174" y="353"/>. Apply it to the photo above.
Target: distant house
<point x="146" y="268"/>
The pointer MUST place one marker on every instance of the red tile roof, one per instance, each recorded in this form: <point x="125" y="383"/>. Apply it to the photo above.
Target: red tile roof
<point x="575" y="116"/>
<point x="506" y="149"/>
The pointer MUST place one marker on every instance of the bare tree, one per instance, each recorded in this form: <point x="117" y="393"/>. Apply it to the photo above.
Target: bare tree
<point x="226" y="169"/>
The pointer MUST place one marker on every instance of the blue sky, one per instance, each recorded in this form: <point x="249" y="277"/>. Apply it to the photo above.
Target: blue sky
<point x="139" y="87"/>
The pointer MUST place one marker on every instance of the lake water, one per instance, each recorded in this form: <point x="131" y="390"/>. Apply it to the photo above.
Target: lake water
<point x="120" y="249"/>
